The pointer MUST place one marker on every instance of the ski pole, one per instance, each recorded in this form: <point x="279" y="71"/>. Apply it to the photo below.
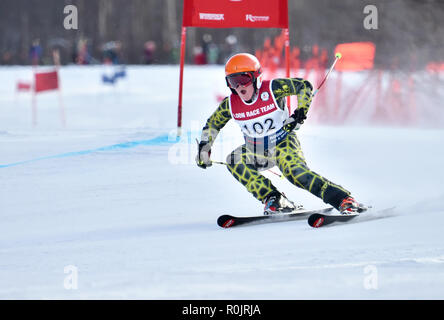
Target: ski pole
<point x="226" y="164"/>
<point x="219" y="162"/>
<point x="338" y="56"/>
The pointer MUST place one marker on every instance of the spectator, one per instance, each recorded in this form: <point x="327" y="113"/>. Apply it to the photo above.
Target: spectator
<point x="199" y="56"/>
<point x="210" y="49"/>
<point x="170" y="53"/>
<point x="213" y="53"/>
<point x="149" y="52"/>
<point x="230" y="47"/>
<point x="111" y="52"/>
<point x="35" y="52"/>
<point x="6" y="58"/>
<point x="83" y="56"/>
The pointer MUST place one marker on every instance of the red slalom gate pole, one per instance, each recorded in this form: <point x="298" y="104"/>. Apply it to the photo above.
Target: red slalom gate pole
<point x="56" y="58"/>
<point x="287" y="52"/>
<point x="287" y="58"/>
<point x="182" y="62"/>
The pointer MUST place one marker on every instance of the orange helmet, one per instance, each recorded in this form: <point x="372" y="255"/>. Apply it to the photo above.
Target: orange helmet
<point x="243" y="63"/>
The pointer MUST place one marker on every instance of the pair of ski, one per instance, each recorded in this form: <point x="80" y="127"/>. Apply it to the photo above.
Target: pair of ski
<point x="315" y="218"/>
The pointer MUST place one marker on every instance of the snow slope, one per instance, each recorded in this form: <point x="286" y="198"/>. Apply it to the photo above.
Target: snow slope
<point x="118" y="198"/>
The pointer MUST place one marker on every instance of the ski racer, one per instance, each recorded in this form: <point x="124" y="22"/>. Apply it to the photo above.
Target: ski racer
<point x="259" y="107"/>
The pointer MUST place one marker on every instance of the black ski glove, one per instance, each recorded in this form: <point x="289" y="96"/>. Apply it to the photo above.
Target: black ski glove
<point x="203" y="154"/>
<point x="297" y="117"/>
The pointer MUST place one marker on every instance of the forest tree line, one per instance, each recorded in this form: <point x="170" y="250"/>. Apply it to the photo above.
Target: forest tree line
<point x="410" y="32"/>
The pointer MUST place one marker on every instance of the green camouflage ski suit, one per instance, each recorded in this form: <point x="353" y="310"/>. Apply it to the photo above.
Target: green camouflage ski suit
<point x="246" y="161"/>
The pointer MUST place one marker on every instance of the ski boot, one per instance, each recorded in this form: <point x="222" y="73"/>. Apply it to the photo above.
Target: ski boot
<point x="276" y="202"/>
<point x="350" y="206"/>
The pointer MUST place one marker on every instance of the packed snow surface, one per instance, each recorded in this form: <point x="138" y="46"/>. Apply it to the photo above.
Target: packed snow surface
<point x="112" y="206"/>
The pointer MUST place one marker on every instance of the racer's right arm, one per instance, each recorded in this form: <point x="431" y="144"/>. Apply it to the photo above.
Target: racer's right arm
<point x="214" y="124"/>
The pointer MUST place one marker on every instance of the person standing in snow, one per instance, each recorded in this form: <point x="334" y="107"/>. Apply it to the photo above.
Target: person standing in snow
<point x="259" y="108"/>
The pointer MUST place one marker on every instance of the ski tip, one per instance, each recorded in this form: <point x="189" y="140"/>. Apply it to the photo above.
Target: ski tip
<point x="316" y="220"/>
<point x="225" y="221"/>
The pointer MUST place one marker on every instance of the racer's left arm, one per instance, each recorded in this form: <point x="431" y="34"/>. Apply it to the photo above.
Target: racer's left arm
<point x="284" y="87"/>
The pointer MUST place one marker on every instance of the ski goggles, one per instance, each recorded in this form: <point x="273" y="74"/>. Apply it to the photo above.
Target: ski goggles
<point x="239" y="79"/>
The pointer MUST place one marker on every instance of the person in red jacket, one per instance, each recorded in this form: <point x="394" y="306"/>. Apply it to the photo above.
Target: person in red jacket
<point x="259" y="108"/>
